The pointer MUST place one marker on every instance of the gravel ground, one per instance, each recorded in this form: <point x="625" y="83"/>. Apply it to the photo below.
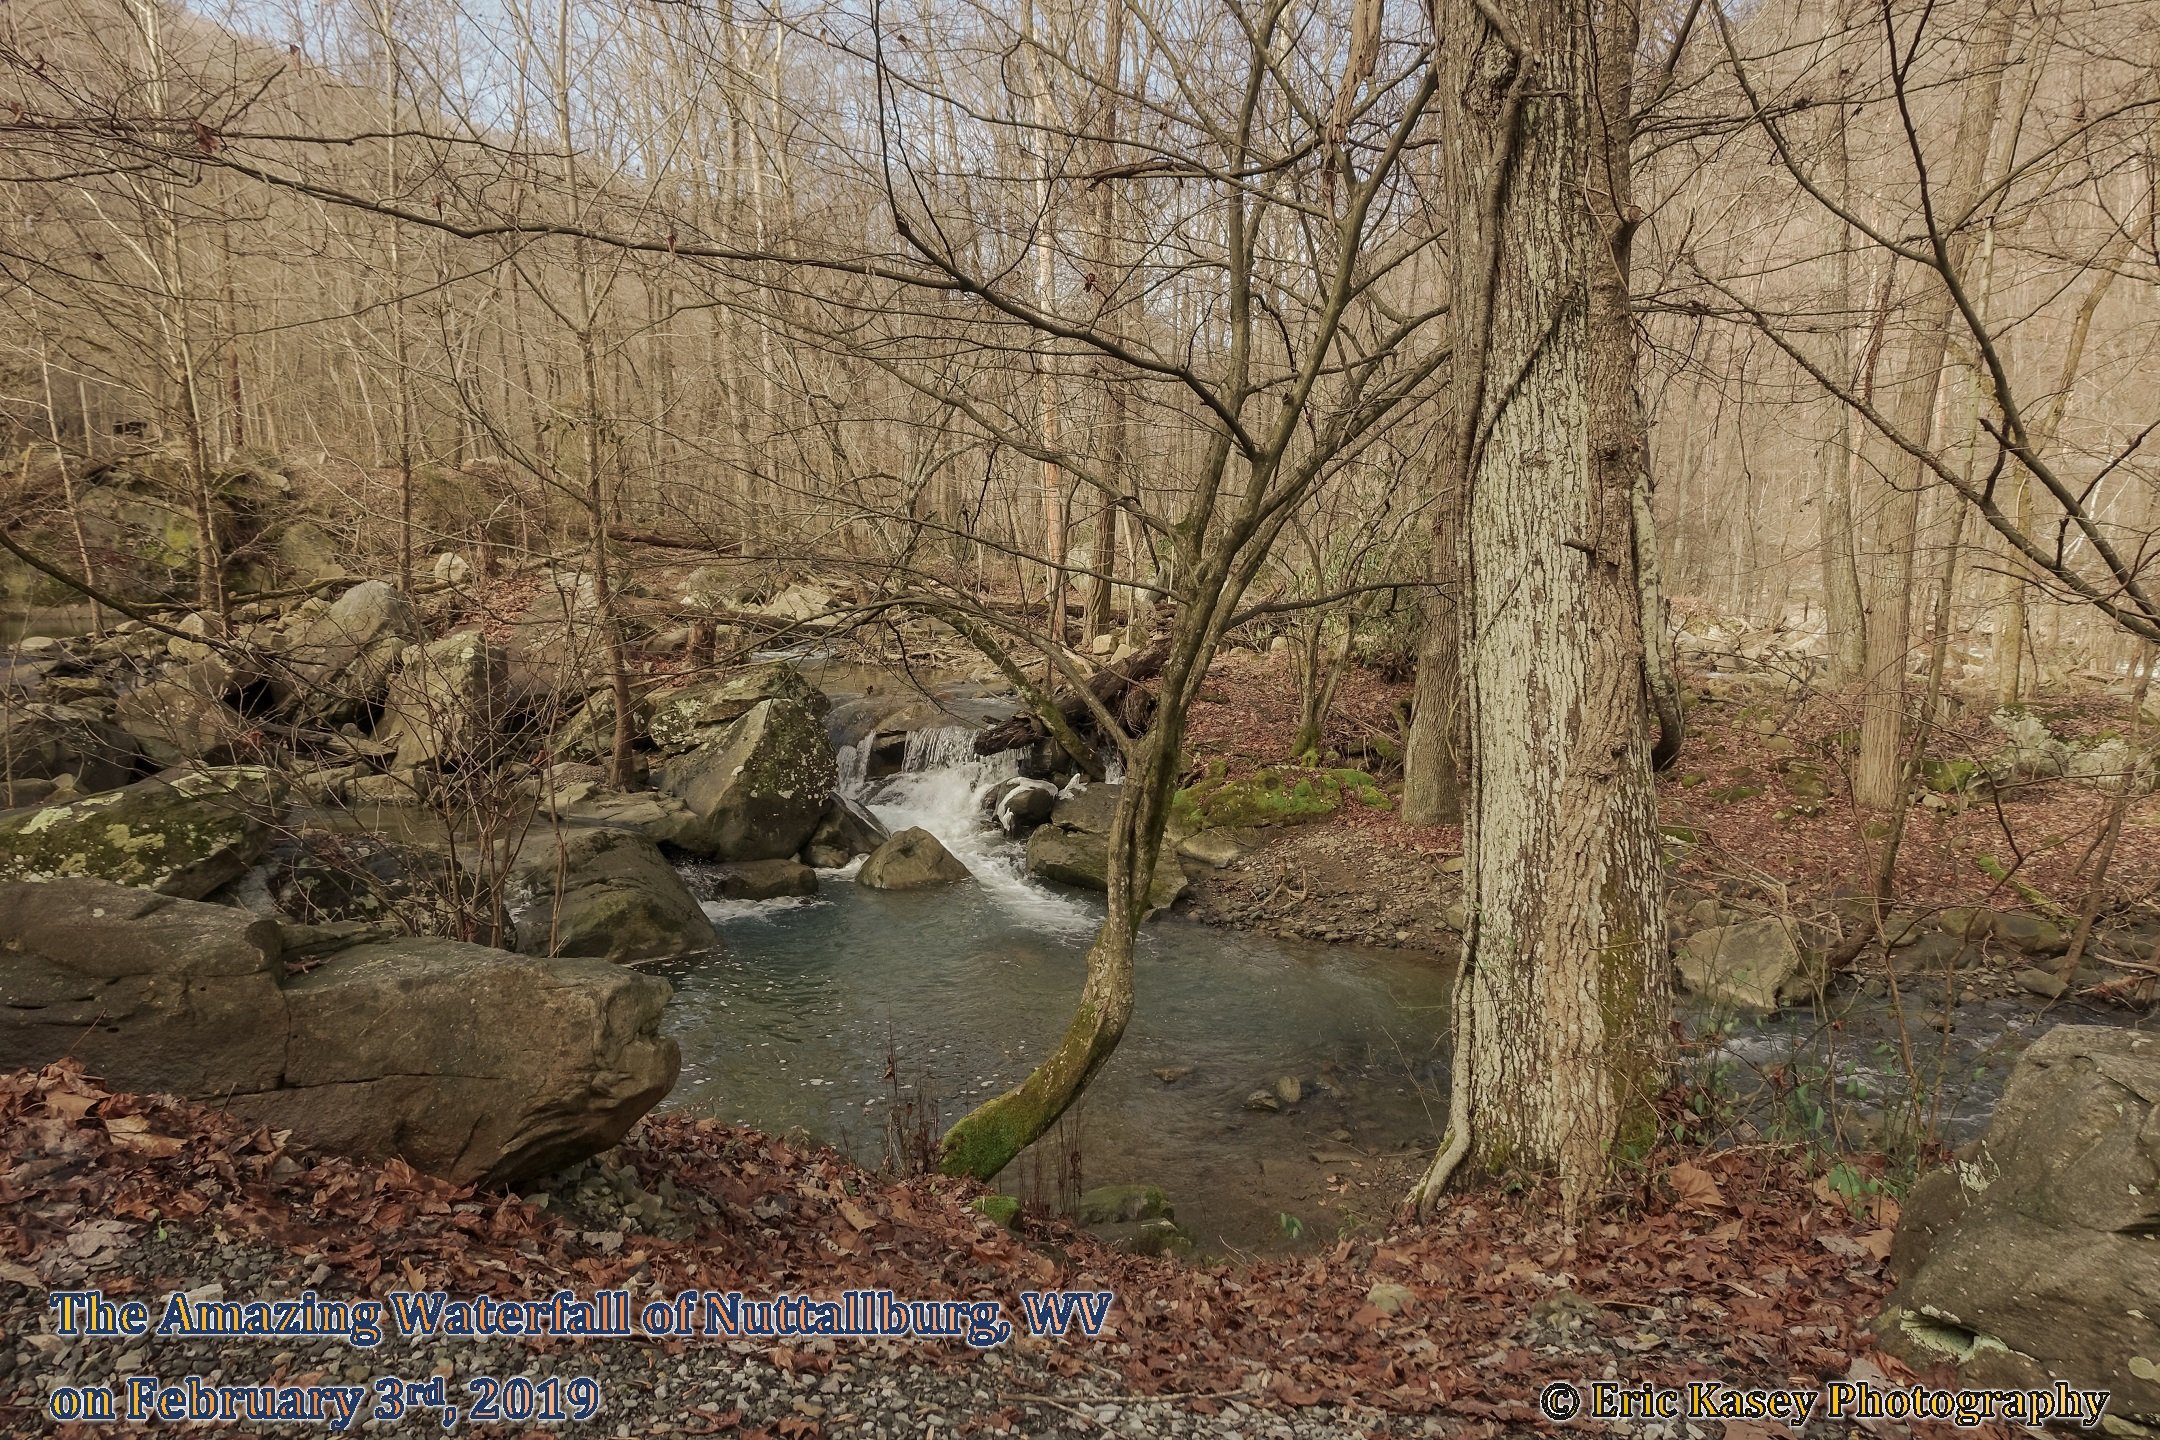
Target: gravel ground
<point x="875" y="1390"/>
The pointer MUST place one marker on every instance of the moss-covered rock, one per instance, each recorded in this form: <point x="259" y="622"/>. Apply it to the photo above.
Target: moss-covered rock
<point x="182" y="718"/>
<point x="183" y="837"/>
<point x="1117" y="1204"/>
<point x="688" y="717"/>
<point x="760" y="787"/>
<point x="1270" y="797"/>
<point x="1002" y="1209"/>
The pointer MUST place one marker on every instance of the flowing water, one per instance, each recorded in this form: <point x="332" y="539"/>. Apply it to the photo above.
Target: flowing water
<point x="792" y="1022"/>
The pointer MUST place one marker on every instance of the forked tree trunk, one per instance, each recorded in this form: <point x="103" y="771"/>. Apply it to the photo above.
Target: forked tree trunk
<point x="1563" y="999"/>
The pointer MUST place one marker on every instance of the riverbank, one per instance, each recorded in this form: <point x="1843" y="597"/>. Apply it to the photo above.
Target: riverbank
<point x="1737" y="1267"/>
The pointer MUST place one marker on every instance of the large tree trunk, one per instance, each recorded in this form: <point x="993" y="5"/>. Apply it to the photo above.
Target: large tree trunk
<point x="1562" y="1003"/>
<point x="1879" y="776"/>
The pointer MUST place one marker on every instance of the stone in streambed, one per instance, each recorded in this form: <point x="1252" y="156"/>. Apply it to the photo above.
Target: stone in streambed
<point x="845" y="830"/>
<point x="761" y="880"/>
<point x="469" y="1063"/>
<point x="914" y="859"/>
<point x="759" y="788"/>
<point x="608" y="894"/>
<point x="1744" y="967"/>
<point x="186" y="836"/>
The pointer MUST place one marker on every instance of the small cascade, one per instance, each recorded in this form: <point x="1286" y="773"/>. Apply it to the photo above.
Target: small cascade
<point x="853" y="764"/>
<point x="942" y="787"/>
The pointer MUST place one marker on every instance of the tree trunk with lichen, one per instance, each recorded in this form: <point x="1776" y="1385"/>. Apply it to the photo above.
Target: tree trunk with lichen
<point x="1563" y="1001"/>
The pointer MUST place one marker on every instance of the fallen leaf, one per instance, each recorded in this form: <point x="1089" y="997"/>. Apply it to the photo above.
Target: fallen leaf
<point x="1694" y="1188"/>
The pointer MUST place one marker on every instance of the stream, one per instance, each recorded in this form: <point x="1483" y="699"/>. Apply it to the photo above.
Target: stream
<point x="791" y="1024"/>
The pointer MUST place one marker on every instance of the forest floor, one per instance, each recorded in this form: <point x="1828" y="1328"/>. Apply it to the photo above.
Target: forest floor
<point x="1740" y="1267"/>
<point x="1762" y="792"/>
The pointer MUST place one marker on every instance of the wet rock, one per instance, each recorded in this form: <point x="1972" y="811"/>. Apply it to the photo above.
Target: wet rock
<point x="466" y="1062"/>
<point x="2045" y="984"/>
<point x="1744" y="966"/>
<point x="687" y="718"/>
<point x="1072" y="856"/>
<point x="186" y="836"/>
<point x="913" y="859"/>
<point x="2031" y="1259"/>
<point x="761" y="880"/>
<point x="759" y="789"/>
<point x="1020" y="804"/>
<point x="1289" y="1090"/>
<point x="602" y="893"/>
<point x="443" y="704"/>
<point x="845" y="829"/>
<point x="1263" y="1100"/>
<point x="2027" y="933"/>
<point x="182" y="718"/>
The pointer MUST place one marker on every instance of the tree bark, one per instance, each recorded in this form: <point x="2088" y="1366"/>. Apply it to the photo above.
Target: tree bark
<point x="1563" y="1001"/>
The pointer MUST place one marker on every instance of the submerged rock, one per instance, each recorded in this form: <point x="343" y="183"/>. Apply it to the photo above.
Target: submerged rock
<point x="1020" y="804"/>
<point x="469" y="1063"/>
<point x="602" y="893"/>
<point x="759" y="789"/>
<point x="914" y="859"/>
<point x="2032" y="1258"/>
<point x="184" y="837"/>
<point x="651" y="813"/>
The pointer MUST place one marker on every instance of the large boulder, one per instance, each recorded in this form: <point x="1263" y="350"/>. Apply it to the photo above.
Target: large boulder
<point x="685" y="718"/>
<point x="1020" y="804"/>
<point x="185" y="836"/>
<point x="1072" y="856"/>
<point x="341" y="662"/>
<point x="913" y="859"/>
<point x="2032" y="1259"/>
<point x="469" y="1063"/>
<point x="41" y="741"/>
<point x="1747" y="967"/>
<point x="760" y="880"/>
<point x="846" y="829"/>
<point x="759" y="788"/>
<point x="350" y="877"/>
<point x="181" y="717"/>
<point x="604" y="893"/>
<point x="445" y="701"/>
<point x="558" y="643"/>
<point x="651" y="813"/>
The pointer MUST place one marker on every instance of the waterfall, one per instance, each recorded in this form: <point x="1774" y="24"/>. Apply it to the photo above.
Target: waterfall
<point x="942" y="787"/>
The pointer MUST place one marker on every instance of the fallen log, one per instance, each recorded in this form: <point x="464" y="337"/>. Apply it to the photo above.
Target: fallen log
<point x="1118" y="688"/>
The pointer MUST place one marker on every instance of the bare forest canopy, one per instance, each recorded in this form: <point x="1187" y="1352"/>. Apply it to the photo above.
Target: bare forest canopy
<point x="961" y="297"/>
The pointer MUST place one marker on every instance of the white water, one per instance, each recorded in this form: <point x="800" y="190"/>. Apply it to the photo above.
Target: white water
<point x="941" y="787"/>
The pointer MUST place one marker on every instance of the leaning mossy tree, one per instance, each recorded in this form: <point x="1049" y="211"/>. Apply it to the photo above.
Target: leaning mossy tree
<point x="1305" y="246"/>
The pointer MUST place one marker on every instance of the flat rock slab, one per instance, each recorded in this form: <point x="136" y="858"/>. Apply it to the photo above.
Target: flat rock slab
<point x="473" y="1064"/>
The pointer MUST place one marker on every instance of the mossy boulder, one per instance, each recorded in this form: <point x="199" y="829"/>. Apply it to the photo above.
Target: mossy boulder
<point x="1950" y="777"/>
<point x="602" y="893"/>
<point x="183" y="837"/>
<point x="759" y="788"/>
<point x="1000" y="1209"/>
<point x="1270" y="797"/>
<point x="688" y="717"/>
